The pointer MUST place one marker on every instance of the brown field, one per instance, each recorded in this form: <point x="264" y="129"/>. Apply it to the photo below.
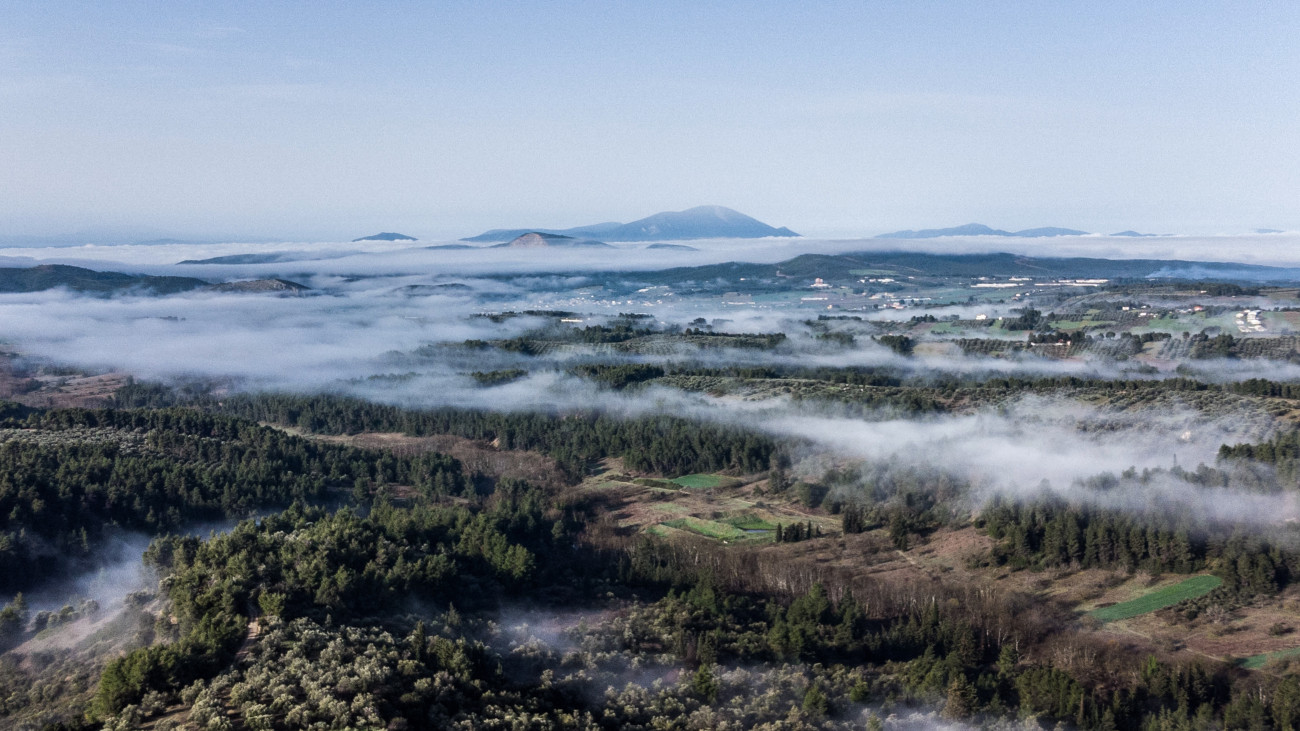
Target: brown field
<point x="942" y="558"/>
<point x="1240" y="633"/>
<point x="480" y="457"/>
<point x="42" y="390"/>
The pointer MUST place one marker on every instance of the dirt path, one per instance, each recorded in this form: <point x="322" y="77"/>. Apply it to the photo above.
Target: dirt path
<point x="909" y="559"/>
<point x="254" y="632"/>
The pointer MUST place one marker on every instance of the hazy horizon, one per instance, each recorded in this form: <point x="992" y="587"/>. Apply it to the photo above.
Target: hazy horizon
<point x="125" y="235"/>
<point x="242" y="121"/>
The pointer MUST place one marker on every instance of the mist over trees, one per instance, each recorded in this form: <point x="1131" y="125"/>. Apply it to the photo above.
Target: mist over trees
<point x="776" y="521"/>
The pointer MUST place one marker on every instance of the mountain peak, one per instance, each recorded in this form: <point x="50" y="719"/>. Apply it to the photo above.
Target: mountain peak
<point x="283" y="286"/>
<point x="386" y="236"/>
<point x="541" y="240"/>
<point x="700" y="222"/>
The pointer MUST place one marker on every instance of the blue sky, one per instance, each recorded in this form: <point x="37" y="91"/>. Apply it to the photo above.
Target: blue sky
<point x="332" y="120"/>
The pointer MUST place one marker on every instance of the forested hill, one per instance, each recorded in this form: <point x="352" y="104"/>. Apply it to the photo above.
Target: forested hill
<point x="653" y="443"/>
<point x="69" y="477"/>
<point x="845" y="268"/>
<point x="51" y="276"/>
<point x="410" y="608"/>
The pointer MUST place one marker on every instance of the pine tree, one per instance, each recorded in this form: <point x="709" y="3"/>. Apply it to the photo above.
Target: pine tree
<point x="705" y="684"/>
<point x="815" y="703"/>
<point x="961" y="698"/>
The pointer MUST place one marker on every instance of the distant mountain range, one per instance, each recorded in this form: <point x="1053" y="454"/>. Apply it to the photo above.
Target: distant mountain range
<point x="275" y="257"/>
<point x="50" y="276"/>
<point x="537" y="240"/>
<point x="508" y="234"/>
<point x="703" y="222"/>
<point x="671" y="247"/>
<point x="979" y="229"/>
<point x="386" y="236"/>
<point x="239" y="259"/>
<point x="261" y="285"/>
<point x="845" y="269"/>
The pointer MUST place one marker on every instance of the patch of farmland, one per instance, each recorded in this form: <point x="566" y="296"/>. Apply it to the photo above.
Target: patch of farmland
<point x="668" y="507"/>
<point x="1255" y="662"/>
<point x="705" y="482"/>
<point x="1167" y="597"/>
<point x="751" y="522"/>
<point x="707" y="528"/>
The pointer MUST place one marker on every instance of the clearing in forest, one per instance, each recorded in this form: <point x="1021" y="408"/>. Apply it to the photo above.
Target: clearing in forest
<point x="709" y="528"/>
<point x="1167" y="597"/>
<point x="1255" y="662"/>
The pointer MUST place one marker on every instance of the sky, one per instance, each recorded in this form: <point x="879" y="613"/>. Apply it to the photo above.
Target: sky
<point x="329" y="121"/>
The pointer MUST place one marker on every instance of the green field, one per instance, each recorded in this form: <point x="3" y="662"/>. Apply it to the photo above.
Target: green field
<point x="707" y="528"/>
<point x="947" y="328"/>
<point x="705" y="481"/>
<point x="1255" y="662"/>
<point x="1173" y="324"/>
<point x="668" y="507"/>
<point x="751" y="522"/>
<point x="1159" y="599"/>
<point x="651" y="482"/>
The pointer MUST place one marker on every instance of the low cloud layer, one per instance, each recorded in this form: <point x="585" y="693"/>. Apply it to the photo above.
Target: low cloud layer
<point x="1051" y="446"/>
<point x="390" y="258"/>
<point x="385" y="324"/>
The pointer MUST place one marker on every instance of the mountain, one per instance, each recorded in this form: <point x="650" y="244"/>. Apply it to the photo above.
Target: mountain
<point x="261" y="285"/>
<point x="671" y="247"/>
<point x="703" y="222"/>
<point x="449" y="247"/>
<point x="970" y="229"/>
<point x="274" y="257"/>
<point x="597" y="230"/>
<point x="537" y="240"/>
<point x="1133" y="234"/>
<point x="50" y="276"/>
<point x="1047" y="231"/>
<point x="428" y="289"/>
<point x="238" y="259"/>
<point x="1268" y="231"/>
<point x="979" y="229"/>
<point x="386" y="236"/>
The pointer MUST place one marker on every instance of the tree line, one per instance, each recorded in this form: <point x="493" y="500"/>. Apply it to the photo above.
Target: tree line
<point x="656" y="443"/>
<point x="69" y="476"/>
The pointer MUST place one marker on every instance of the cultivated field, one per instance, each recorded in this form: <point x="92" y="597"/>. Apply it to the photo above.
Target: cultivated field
<point x="1167" y="597"/>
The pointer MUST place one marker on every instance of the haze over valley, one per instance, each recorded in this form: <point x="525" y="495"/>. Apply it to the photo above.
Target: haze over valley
<point x="396" y="367"/>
